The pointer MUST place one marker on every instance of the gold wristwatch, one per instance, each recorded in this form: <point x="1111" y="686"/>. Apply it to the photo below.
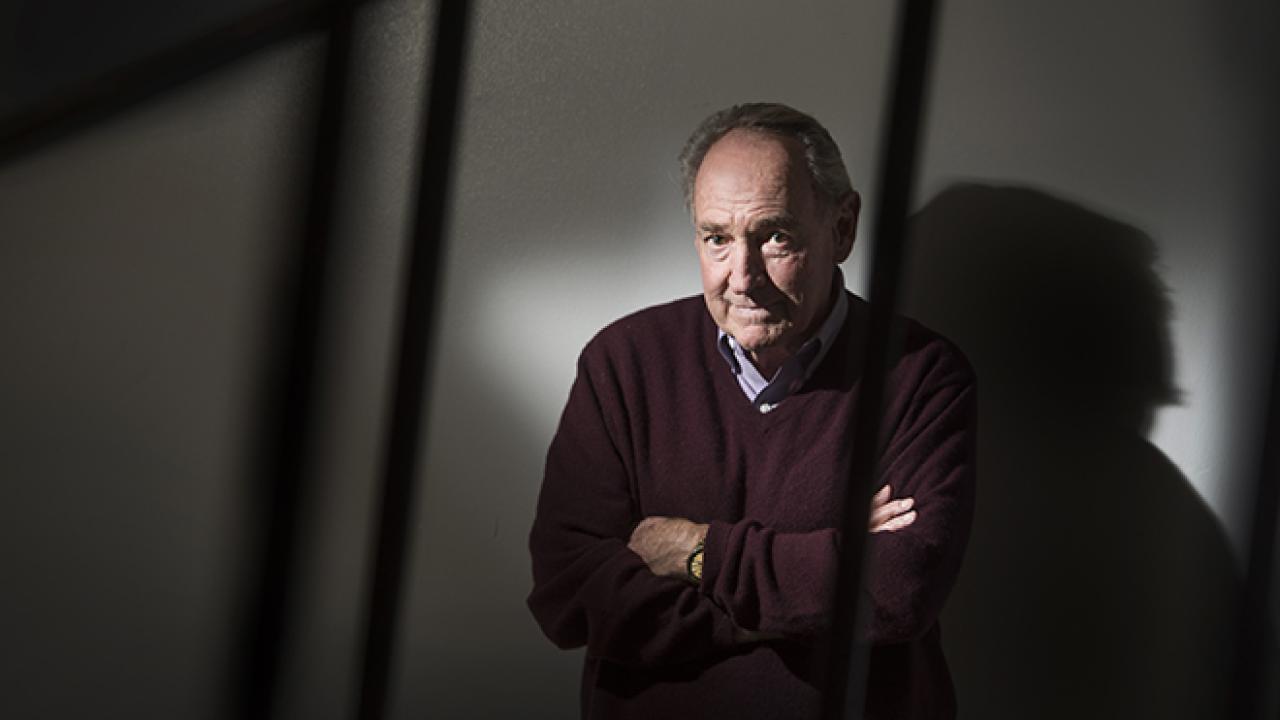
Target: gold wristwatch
<point x="694" y="564"/>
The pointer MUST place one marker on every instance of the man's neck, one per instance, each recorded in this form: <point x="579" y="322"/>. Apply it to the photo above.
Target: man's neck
<point x="768" y="360"/>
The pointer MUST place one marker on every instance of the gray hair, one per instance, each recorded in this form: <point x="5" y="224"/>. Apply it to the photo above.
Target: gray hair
<point x="822" y="156"/>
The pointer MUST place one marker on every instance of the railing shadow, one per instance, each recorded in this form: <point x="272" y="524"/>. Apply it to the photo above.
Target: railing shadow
<point x="1097" y="582"/>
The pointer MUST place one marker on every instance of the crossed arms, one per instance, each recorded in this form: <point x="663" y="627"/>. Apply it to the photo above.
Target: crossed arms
<point x="665" y="543"/>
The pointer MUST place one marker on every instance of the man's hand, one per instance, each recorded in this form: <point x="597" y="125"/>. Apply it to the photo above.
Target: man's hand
<point x="890" y="515"/>
<point x="664" y="543"/>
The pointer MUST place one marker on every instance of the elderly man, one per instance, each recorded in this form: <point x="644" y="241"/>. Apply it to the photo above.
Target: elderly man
<point x="688" y="528"/>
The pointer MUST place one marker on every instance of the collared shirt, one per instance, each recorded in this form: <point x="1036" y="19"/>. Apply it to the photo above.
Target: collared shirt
<point x="766" y="394"/>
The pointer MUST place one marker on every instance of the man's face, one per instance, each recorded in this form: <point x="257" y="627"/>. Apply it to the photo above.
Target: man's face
<point x="767" y="242"/>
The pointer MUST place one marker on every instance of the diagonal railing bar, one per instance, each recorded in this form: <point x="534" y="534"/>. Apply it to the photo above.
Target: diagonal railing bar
<point x="413" y="363"/>
<point x="289" y="395"/>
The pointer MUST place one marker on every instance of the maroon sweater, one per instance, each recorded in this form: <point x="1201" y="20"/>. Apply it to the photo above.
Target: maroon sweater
<point x="657" y="425"/>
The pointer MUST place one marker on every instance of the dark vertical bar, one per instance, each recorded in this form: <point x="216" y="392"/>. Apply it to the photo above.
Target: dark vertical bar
<point x="1256" y="632"/>
<point x="845" y="692"/>
<point x="413" y="362"/>
<point x="291" y="393"/>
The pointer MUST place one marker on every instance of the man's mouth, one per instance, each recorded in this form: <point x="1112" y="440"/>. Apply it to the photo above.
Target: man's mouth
<point x="752" y="311"/>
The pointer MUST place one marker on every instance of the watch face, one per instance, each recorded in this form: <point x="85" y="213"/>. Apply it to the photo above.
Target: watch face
<point x="695" y="565"/>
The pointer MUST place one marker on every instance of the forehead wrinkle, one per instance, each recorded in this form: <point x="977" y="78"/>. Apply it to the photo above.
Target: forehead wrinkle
<point x="782" y="220"/>
<point x="745" y="194"/>
<point x="720" y="213"/>
<point x="744" y="216"/>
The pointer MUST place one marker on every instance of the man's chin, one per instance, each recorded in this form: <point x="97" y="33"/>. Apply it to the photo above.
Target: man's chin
<point x="753" y="340"/>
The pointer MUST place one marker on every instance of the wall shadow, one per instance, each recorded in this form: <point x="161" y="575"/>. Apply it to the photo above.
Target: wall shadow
<point x="1097" y="583"/>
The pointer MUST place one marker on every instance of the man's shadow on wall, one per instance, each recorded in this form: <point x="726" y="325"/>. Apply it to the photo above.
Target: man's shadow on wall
<point x="1097" y="584"/>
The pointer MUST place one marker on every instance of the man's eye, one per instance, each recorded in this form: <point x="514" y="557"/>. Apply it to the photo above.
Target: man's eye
<point x="779" y="238"/>
<point x="716" y="240"/>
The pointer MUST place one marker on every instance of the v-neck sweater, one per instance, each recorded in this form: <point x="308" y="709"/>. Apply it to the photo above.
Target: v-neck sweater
<point x="656" y="425"/>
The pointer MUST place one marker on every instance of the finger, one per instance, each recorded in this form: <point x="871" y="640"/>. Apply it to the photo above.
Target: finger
<point x="899" y="522"/>
<point x="644" y="530"/>
<point x="888" y="522"/>
<point x="878" y="513"/>
<point x="882" y="496"/>
<point x="879" y="516"/>
<point x="889" y="510"/>
<point x="650" y="524"/>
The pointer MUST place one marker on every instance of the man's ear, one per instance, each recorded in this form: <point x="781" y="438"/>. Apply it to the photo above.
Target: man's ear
<point x="846" y="225"/>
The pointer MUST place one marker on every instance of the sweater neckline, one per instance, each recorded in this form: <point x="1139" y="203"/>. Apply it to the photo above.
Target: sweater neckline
<point x="826" y="373"/>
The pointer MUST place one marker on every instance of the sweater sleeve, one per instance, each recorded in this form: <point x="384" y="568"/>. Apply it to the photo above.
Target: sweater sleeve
<point x="589" y="588"/>
<point x="930" y="458"/>
<point x="784" y="583"/>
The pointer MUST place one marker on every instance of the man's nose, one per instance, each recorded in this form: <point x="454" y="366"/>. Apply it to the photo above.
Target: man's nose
<point x="746" y="269"/>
